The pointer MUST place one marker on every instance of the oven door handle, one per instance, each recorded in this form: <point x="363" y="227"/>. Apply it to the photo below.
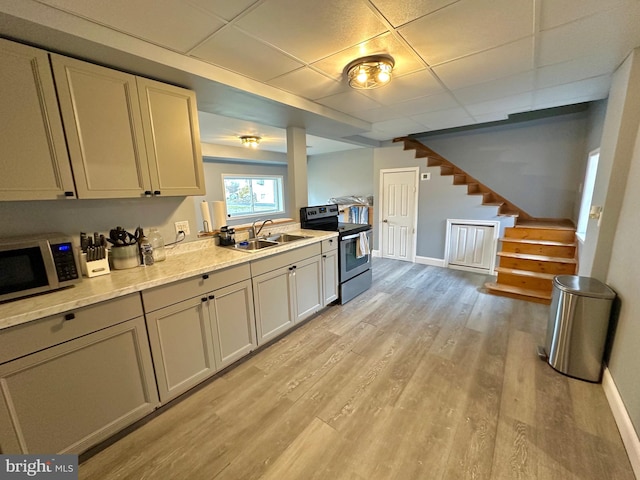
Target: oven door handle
<point x="356" y="235"/>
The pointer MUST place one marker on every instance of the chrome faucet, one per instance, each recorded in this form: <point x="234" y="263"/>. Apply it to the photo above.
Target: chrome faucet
<point x="252" y="231"/>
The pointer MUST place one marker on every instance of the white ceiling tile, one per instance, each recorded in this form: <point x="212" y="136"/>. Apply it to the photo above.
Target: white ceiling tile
<point x="381" y="136"/>
<point x="379" y="114"/>
<point x="406" y="61"/>
<point x="308" y="83"/>
<point x="312" y="30"/>
<point x="612" y="33"/>
<point x="414" y="85"/>
<point x="512" y="104"/>
<point x="586" y="90"/>
<point x="575" y="70"/>
<point x="398" y="128"/>
<point x="491" y="117"/>
<point x="504" y="61"/>
<point x="467" y="27"/>
<point x="498" y="88"/>
<point x="444" y="119"/>
<point x="236" y="51"/>
<point x="554" y="13"/>
<point x="177" y="25"/>
<point x="223" y="8"/>
<point x="349" y="102"/>
<point x="399" y="13"/>
<point x="432" y="103"/>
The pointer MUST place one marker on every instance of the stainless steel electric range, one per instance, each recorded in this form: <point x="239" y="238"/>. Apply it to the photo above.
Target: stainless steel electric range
<point x="354" y="255"/>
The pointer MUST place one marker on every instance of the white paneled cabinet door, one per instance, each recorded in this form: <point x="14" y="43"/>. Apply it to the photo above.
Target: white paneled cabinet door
<point x="272" y="294"/>
<point x="399" y="214"/>
<point x="232" y="322"/>
<point x="101" y="115"/>
<point x="181" y="345"/>
<point x="330" y="276"/>
<point x="34" y="163"/>
<point x="67" y="398"/>
<point x="471" y="246"/>
<point x="308" y="287"/>
<point x="170" y="121"/>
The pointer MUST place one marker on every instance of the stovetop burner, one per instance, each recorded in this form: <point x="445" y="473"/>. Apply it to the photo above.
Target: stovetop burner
<point x="326" y="218"/>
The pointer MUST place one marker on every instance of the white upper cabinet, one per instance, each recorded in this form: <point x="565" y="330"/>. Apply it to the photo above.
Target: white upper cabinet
<point x="34" y="160"/>
<point x="172" y="136"/>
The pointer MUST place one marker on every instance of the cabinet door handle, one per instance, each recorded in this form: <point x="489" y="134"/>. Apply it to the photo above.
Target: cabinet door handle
<point x="324" y="256"/>
<point x="69" y="194"/>
<point x="211" y="297"/>
<point x="70" y="316"/>
<point x="204" y="299"/>
<point x="147" y="193"/>
<point x="205" y="276"/>
<point x="156" y="192"/>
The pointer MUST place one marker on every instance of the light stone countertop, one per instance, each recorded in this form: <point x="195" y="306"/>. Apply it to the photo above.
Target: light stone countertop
<point x="188" y="260"/>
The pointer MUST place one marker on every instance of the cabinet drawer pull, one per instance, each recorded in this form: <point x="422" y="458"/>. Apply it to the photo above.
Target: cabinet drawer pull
<point x="70" y="316"/>
<point x="205" y="276"/>
<point x="324" y="256"/>
<point x="204" y="299"/>
<point x="211" y="297"/>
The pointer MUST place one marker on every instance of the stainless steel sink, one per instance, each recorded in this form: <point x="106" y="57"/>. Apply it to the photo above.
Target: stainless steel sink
<point x="284" y="238"/>
<point x="253" y="245"/>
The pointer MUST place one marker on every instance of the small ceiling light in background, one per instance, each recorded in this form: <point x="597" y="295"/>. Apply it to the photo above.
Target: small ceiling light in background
<point x="370" y="72"/>
<point x="250" y="141"/>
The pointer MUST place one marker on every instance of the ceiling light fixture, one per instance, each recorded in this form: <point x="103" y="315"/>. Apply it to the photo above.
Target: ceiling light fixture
<point x="250" y="141"/>
<point x="370" y="72"/>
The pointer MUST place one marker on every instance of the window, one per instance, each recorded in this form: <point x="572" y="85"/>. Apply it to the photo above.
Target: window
<point x="252" y="195"/>
<point x="587" y="193"/>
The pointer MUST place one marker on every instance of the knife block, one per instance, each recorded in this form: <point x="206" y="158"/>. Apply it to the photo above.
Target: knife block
<point x="96" y="267"/>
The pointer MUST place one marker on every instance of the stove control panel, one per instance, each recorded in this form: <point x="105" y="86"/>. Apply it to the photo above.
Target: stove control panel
<point x="320" y="211"/>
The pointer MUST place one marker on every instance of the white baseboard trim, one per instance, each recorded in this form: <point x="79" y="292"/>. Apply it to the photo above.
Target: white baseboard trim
<point x="621" y="416"/>
<point x="436" y="262"/>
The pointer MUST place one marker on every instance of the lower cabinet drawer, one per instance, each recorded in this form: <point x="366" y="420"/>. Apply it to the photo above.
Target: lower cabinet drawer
<point x="67" y="398"/>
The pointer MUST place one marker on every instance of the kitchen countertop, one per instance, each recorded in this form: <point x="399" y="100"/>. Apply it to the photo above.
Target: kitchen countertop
<point x="188" y="260"/>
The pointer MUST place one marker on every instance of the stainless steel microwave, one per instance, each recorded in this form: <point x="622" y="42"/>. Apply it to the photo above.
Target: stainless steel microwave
<point x="35" y="264"/>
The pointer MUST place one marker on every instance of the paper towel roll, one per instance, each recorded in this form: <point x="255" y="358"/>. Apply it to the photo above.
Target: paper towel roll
<point x="219" y="215"/>
<point x="206" y="216"/>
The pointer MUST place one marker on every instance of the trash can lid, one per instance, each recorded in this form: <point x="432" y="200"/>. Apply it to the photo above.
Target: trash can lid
<point x="584" y="286"/>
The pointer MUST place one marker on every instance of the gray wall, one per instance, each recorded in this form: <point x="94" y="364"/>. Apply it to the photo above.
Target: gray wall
<point x="540" y="162"/>
<point x="610" y="250"/>
<point x="438" y="200"/>
<point x="340" y="174"/>
<point x="213" y="170"/>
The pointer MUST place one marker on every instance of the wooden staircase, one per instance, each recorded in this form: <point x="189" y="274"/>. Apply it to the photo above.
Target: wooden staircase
<point x="533" y="251"/>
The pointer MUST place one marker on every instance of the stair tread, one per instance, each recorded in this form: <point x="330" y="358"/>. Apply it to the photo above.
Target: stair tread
<point x="527" y="292"/>
<point x="551" y="224"/>
<point x="550" y="243"/>
<point x="543" y="258"/>
<point x="525" y="273"/>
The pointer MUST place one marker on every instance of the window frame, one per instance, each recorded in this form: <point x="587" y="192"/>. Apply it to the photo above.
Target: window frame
<point x="279" y="194"/>
<point x="588" y="187"/>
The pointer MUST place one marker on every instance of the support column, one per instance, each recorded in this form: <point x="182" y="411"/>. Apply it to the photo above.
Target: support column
<point x="297" y="170"/>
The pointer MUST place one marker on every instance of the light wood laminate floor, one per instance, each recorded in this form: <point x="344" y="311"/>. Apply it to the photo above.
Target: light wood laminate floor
<point x="422" y="377"/>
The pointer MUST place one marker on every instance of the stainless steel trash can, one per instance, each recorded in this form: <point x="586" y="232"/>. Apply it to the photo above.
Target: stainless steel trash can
<point x="578" y="326"/>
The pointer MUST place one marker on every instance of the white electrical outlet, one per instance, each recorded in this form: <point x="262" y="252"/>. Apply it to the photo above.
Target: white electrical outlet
<point x="183" y="226"/>
<point x="425" y="176"/>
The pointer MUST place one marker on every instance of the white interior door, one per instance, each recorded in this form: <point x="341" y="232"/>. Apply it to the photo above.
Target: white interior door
<point x="399" y="189"/>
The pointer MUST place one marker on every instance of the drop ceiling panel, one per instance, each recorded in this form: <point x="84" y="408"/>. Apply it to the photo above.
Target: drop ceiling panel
<point x="586" y="90"/>
<point x="232" y="49"/>
<point x="503" y="61"/>
<point x="505" y="86"/>
<point x="406" y="61"/>
<point x="312" y="30"/>
<point x="177" y="26"/>
<point x="414" y="85"/>
<point x="223" y="8"/>
<point x="468" y="27"/>
<point x="399" y="13"/>
<point x="575" y="70"/>
<point x="431" y="103"/>
<point x="612" y="33"/>
<point x="512" y="104"/>
<point x="397" y="128"/>
<point x="350" y="102"/>
<point x="444" y="119"/>
<point x="308" y="83"/>
<point x="554" y="13"/>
